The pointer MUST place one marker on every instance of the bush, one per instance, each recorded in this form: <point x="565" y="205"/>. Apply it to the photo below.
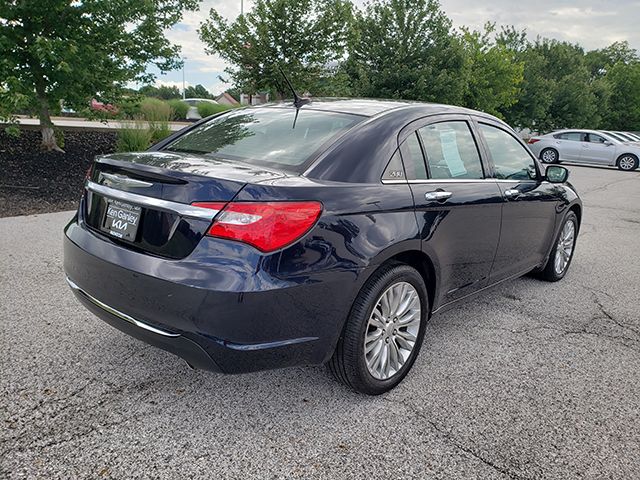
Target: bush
<point x="158" y="113"/>
<point x="135" y="137"/>
<point x="179" y="108"/>
<point x="206" y="109"/>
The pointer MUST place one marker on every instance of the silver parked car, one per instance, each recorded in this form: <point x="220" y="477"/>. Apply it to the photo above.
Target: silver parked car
<point x="586" y="146"/>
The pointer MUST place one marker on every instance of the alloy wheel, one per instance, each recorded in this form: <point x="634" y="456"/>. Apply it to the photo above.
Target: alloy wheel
<point x="392" y="330"/>
<point x="627" y="162"/>
<point x="549" y="156"/>
<point x="564" y="249"/>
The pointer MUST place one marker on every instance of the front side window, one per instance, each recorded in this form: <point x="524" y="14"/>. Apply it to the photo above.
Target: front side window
<point x="265" y="136"/>
<point x="511" y="160"/>
<point x="451" y="151"/>
<point x="572" y="136"/>
<point x="593" y="138"/>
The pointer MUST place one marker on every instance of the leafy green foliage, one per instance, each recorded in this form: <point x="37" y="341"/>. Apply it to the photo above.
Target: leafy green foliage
<point x="406" y="49"/>
<point x="304" y="37"/>
<point x="179" y="108"/>
<point x="624" y="104"/>
<point x="493" y="73"/>
<point x="163" y="92"/>
<point x="206" y="109"/>
<point x="55" y="50"/>
<point x="198" y="92"/>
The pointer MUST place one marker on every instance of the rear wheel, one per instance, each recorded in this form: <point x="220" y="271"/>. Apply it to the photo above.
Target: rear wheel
<point x="560" y="258"/>
<point x="628" y="162"/>
<point x="384" y="331"/>
<point x="549" y="155"/>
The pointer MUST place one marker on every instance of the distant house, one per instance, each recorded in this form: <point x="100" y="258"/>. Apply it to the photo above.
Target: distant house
<point x="256" y="99"/>
<point x="226" y="99"/>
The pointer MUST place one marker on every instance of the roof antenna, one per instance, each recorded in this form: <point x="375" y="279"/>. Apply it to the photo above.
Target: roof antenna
<point x="298" y="101"/>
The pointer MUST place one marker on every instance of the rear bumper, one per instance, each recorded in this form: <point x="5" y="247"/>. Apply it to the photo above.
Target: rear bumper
<point x="217" y="316"/>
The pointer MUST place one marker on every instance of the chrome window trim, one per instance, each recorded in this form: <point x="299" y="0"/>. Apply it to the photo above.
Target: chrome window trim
<point x="183" y="209"/>
<point x="458" y="180"/>
<point x="118" y="313"/>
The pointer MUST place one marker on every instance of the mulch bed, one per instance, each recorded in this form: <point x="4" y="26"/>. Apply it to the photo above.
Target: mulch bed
<point x="32" y="181"/>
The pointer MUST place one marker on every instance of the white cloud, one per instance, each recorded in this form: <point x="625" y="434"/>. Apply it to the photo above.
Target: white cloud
<point x="591" y="23"/>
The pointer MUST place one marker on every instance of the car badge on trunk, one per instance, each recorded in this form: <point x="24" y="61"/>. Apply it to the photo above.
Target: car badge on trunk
<point x="112" y="179"/>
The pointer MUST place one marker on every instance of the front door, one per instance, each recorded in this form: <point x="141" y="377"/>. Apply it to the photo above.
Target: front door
<point x="529" y="208"/>
<point x="457" y="209"/>
<point x="597" y="150"/>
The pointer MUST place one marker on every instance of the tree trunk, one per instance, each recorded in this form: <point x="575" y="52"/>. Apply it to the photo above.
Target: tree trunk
<point x="49" y="142"/>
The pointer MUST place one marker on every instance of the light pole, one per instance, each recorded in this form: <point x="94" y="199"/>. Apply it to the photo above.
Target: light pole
<point x="241" y="7"/>
<point x="184" y="91"/>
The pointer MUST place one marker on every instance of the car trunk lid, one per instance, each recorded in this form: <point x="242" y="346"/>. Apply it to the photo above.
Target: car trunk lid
<point x="144" y="200"/>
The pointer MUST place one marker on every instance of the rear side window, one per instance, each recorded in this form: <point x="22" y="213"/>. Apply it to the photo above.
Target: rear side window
<point x="266" y="136"/>
<point x="413" y="158"/>
<point x="451" y="151"/>
<point x="510" y="159"/>
<point x="394" y="170"/>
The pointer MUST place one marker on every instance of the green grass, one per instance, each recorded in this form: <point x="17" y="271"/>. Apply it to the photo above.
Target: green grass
<point x="179" y="108"/>
<point x="158" y="113"/>
<point x="136" y="137"/>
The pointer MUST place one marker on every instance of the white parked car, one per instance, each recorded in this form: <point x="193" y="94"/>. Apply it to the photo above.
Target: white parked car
<point x="193" y="114"/>
<point x="586" y="146"/>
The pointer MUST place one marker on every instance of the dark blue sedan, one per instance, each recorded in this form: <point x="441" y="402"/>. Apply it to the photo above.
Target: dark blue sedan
<point x="276" y="236"/>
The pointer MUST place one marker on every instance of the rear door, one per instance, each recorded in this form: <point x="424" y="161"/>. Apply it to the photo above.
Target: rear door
<point x="570" y="145"/>
<point x="458" y="210"/>
<point x="529" y="209"/>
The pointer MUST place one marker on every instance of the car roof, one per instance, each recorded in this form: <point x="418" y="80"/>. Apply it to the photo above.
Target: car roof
<point x="369" y="107"/>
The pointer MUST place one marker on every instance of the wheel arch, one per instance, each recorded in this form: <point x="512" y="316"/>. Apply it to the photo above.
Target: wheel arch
<point x="424" y="265"/>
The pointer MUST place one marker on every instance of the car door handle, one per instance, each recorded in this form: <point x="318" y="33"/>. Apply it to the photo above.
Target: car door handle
<point x="512" y="193"/>
<point x="437" y="196"/>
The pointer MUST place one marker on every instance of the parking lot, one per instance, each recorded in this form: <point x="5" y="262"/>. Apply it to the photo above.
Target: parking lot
<point x="531" y="380"/>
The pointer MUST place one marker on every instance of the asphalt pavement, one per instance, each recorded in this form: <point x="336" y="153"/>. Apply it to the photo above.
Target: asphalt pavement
<point x="531" y="380"/>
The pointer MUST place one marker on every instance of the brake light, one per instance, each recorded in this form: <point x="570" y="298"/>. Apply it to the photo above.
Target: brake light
<point x="533" y="140"/>
<point x="268" y="226"/>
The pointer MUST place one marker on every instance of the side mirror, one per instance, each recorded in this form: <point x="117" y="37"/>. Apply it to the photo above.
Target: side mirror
<point x="608" y="143"/>
<point x="556" y="174"/>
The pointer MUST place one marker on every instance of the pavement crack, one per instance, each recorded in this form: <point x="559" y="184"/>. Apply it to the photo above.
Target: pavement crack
<point x="456" y="443"/>
<point x="612" y="317"/>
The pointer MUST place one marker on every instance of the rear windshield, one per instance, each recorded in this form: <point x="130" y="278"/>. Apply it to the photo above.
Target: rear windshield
<point x="266" y="136"/>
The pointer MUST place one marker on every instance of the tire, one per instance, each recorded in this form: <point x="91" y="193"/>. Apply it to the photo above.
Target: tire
<point x="549" y="155"/>
<point x="550" y="272"/>
<point x="627" y="162"/>
<point x="349" y="363"/>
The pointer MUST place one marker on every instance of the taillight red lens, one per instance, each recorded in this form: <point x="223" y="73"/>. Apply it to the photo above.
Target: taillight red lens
<point x="533" y="140"/>
<point x="267" y="226"/>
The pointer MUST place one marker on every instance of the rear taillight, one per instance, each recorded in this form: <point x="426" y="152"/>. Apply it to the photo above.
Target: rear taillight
<point x="267" y="226"/>
<point x="533" y="140"/>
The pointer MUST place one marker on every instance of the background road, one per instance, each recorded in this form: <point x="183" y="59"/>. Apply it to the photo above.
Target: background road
<point x="532" y="380"/>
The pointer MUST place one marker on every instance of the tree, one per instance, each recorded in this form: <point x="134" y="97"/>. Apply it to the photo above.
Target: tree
<point x="624" y="104"/>
<point x="164" y="92"/>
<point x="58" y="50"/>
<point x="599" y="61"/>
<point x="304" y="37"/>
<point x="198" y="92"/>
<point x="406" y="49"/>
<point x="493" y="73"/>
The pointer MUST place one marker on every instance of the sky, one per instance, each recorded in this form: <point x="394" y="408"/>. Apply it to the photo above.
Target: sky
<point x="592" y="24"/>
